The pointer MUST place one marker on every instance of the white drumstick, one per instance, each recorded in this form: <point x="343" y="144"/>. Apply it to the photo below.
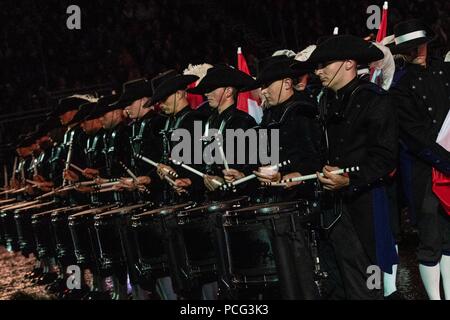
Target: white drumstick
<point x="194" y="171"/>
<point x="77" y="168"/>
<point x="155" y="164"/>
<point x="253" y="176"/>
<point x="222" y="155"/>
<point x="314" y="176"/>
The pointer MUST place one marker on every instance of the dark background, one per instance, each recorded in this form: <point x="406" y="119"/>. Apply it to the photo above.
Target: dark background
<point x="41" y="60"/>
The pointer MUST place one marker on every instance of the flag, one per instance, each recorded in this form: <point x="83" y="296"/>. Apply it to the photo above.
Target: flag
<point x="441" y="181"/>
<point x="195" y="100"/>
<point x="381" y="34"/>
<point x="246" y="102"/>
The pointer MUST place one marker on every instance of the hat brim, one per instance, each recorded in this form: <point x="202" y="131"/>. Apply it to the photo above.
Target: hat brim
<point x="406" y="46"/>
<point x="170" y="86"/>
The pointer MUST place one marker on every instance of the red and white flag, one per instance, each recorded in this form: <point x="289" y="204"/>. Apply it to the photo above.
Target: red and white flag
<point x="246" y="102"/>
<point x="441" y="182"/>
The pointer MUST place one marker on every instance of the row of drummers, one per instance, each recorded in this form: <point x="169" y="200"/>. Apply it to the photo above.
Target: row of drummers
<point x="219" y="250"/>
<point x="172" y="249"/>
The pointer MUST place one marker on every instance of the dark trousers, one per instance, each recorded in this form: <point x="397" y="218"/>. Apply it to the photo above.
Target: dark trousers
<point x="346" y="262"/>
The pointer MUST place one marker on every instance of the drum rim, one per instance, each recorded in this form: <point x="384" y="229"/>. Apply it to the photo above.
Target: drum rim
<point x="120" y="210"/>
<point x="90" y="212"/>
<point x="163" y="210"/>
<point x="264" y="208"/>
<point x="72" y="208"/>
<point x="215" y="206"/>
<point x="37" y="205"/>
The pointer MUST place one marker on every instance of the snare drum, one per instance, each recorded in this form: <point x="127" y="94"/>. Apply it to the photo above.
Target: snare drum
<point x="24" y="228"/>
<point x="202" y="241"/>
<point x="8" y="225"/>
<point x="81" y="226"/>
<point x="155" y="241"/>
<point x="63" y="240"/>
<point x="112" y="236"/>
<point x="254" y="236"/>
<point x="43" y="233"/>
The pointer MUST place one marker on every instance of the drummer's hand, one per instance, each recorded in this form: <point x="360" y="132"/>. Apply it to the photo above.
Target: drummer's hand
<point x="45" y="186"/>
<point x="290" y="176"/>
<point x="265" y="175"/>
<point x="38" y="178"/>
<point x="84" y="189"/>
<point x="212" y="182"/>
<point x="181" y="185"/>
<point x="14" y="183"/>
<point x="99" y="180"/>
<point x="331" y="181"/>
<point x="163" y="170"/>
<point x="71" y="176"/>
<point x="125" y="184"/>
<point x="29" y="189"/>
<point x="143" y="180"/>
<point x="90" y="173"/>
<point x="232" y="175"/>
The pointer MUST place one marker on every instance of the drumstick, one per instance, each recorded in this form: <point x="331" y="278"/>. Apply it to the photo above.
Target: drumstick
<point x="13" y="175"/>
<point x="253" y="176"/>
<point x="155" y="164"/>
<point x="133" y="176"/>
<point x="222" y="155"/>
<point x="5" y="175"/>
<point x="77" y="168"/>
<point x="194" y="171"/>
<point x="314" y="176"/>
<point x="274" y="184"/>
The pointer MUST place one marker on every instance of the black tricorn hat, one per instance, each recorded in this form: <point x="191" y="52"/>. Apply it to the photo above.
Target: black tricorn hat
<point x="345" y="47"/>
<point x="410" y="34"/>
<point x="48" y="125"/>
<point x="134" y="90"/>
<point x="68" y="104"/>
<point x="83" y="112"/>
<point x="170" y="82"/>
<point x="223" y="76"/>
<point x="103" y="105"/>
<point x="27" y="140"/>
<point x="279" y="67"/>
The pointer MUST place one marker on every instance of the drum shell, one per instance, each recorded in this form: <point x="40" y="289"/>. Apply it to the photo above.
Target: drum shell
<point x="43" y="235"/>
<point x="264" y="234"/>
<point x="63" y="239"/>
<point x="24" y="226"/>
<point x="84" y="238"/>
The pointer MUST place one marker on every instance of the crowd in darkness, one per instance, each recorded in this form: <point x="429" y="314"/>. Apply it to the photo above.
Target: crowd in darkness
<point x="126" y="39"/>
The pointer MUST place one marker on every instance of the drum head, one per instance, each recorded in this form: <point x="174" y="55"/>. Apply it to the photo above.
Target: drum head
<point x="268" y="209"/>
<point x="216" y="206"/>
<point x="93" y="211"/>
<point x="69" y="210"/>
<point x="164" y="211"/>
<point x="121" y="210"/>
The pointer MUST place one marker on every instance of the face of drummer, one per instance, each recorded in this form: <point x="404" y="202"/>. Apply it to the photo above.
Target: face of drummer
<point x="66" y="117"/>
<point x="173" y="103"/>
<point x="336" y="74"/>
<point x="91" y="126"/>
<point x="136" y="109"/>
<point x="278" y="91"/>
<point x="418" y="55"/>
<point x="110" y="119"/>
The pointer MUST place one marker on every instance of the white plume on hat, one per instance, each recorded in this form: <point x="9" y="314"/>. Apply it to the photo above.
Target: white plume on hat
<point x="305" y="53"/>
<point x="447" y="57"/>
<point x="386" y="65"/>
<point x="284" y="52"/>
<point x="198" y="70"/>
<point x="87" y="97"/>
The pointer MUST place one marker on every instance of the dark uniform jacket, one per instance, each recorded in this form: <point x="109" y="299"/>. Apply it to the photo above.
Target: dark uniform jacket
<point x="230" y="119"/>
<point x="299" y="137"/>
<point x="184" y="119"/>
<point x="422" y="99"/>
<point x="362" y="131"/>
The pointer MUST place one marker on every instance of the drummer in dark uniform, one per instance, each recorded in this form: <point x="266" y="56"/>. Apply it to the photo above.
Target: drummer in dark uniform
<point x="145" y="136"/>
<point x="221" y="86"/>
<point x="170" y="92"/>
<point x="421" y="96"/>
<point x="360" y="130"/>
